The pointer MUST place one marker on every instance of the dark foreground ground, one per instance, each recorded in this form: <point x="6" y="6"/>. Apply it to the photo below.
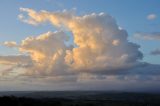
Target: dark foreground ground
<point x="78" y="99"/>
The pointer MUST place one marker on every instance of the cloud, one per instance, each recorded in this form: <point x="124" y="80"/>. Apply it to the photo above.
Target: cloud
<point x="99" y="49"/>
<point x="15" y="60"/>
<point x="145" y="69"/>
<point x="155" y="52"/>
<point x="151" y="16"/>
<point x="47" y="52"/>
<point x="10" y="44"/>
<point x="104" y="47"/>
<point x="148" y="36"/>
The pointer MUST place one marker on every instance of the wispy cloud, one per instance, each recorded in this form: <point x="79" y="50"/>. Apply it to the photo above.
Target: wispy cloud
<point x="147" y="36"/>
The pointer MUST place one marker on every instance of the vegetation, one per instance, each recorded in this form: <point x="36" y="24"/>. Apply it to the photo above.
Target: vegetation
<point x="96" y="100"/>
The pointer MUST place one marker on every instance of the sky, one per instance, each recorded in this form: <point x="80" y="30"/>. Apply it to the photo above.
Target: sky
<point x="80" y="45"/>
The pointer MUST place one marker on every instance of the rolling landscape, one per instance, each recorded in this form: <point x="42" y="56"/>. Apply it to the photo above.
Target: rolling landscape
<point x="78" y="98"/>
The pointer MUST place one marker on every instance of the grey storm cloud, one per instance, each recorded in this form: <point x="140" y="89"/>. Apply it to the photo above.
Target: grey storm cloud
<point x="155" y="52"/>
<point x="147" y="36"/>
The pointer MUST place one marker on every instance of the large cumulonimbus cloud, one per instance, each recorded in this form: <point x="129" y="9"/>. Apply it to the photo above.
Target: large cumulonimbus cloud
<point x="100" y="46"/>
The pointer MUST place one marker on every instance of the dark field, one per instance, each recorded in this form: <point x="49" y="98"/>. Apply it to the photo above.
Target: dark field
<point x="78" y="98"/>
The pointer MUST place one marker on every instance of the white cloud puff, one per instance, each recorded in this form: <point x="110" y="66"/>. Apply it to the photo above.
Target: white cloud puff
<point x="151" y="16"/>
<point x="10" y="44"/>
